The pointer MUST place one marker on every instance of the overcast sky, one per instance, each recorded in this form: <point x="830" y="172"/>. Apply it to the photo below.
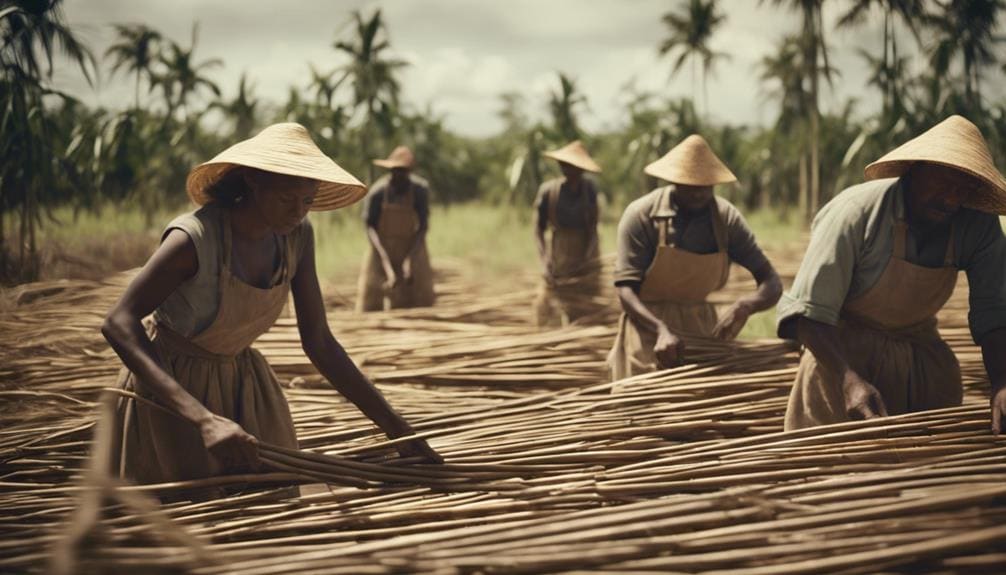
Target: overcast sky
<point x="464" y="53"/>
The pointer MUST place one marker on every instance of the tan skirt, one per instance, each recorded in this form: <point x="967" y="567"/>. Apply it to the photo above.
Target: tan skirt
<point x="155" y="447"/>
<point x="372" y="296"/>
<point x="569" y="299"/>
<point x="914" y="370"/>
<point x="632" y="353"/>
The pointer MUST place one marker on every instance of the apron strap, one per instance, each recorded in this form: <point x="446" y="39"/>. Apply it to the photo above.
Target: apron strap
<point x="552" y="197"/>
<point x="664" y="223"/>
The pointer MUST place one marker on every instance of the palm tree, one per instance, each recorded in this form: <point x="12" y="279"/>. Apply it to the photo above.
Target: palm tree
<point x="784" y="71"/>
<point x="182" y="77"/>
<point x="323" y="86"/>
<point x="241" y="110"/>
<point x="691" y="29"/>
<point x="372" y="75"/>
<point x="913" y="13"/>
<point x="30" y="30"/>
<point x="967" y="28"/>
<point x="890" y="79"/>
<point x="815" y="61"/>
<point x="563" y="104"/>
<point x="136" y="51"/>
<point x="33" y="169"/>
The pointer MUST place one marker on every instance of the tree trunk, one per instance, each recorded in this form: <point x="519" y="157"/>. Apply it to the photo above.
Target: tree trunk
<point x="815" y="116"/>
<point x="802" y="198"/>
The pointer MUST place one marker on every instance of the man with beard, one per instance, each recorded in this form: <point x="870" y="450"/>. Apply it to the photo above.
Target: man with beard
<point x="883" y="259"/>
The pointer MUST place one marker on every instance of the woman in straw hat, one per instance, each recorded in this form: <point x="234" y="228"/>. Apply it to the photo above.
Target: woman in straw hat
<point x="571" y="265"/>
<point x="396" y="270"/>
<point x="675" y="246"/>
<point x="218" y="281"/>
<point x="883" y="259"/>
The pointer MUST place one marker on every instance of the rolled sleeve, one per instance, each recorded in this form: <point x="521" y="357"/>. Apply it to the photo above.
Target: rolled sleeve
<point x="636" y="246"/>
<point x="822" y="282"/>
<point x="986" y="271"/>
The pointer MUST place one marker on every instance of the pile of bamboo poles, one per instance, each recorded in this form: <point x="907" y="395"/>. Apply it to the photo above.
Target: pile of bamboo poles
<point x="686" y="470"/>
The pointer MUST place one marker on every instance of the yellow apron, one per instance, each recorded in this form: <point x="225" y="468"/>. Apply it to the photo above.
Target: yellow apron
<point x="890" y="339"/>
<point x="576" y="287"/>
<point x="397" y="228"/>
<point x="674" y="289"/>
<point x="217" y="367"/>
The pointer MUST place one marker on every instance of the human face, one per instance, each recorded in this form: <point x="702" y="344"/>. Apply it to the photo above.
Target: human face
<point x="282" y="201"/>
<point x="936" y="193"/>
<point x="570" y="171"/>
<point x="400" y="177"/>
<point x="692" y="198"/>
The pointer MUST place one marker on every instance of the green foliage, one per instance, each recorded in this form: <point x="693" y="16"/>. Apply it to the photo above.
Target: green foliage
<point x="59" y="155"/>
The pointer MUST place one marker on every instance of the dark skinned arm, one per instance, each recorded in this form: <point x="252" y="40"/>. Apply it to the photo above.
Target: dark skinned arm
<point x="332" y="361"/>
<point x="173" y="263"/>
<point x="540" y="224"/>
<point x="994" y="355"/>
<point x="391" y="277"/>
<point x="669" y="349"/>
<point x="862" y="400"/>
<point x="768" y="293"/>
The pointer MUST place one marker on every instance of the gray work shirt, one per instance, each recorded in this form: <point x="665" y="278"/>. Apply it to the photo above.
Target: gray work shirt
<point x="851" y="242"/>
<point x="638" y="235"/>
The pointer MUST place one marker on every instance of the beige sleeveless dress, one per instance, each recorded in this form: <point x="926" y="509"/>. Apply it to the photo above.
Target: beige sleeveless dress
<point x="216" y="363"/>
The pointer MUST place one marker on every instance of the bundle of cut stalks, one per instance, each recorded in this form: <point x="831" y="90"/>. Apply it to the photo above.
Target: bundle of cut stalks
<point x="685" y="470"/>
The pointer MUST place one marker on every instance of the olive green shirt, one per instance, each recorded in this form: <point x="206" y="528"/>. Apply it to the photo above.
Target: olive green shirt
<point x="851" y="242"/>
<point x="638" y="235"/>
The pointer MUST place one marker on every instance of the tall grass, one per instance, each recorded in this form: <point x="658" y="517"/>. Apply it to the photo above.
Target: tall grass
<point x="496" y="241"/>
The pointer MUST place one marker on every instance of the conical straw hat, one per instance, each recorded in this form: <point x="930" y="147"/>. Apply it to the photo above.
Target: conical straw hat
<point x="401" y="157"/>
<point x="283" y="149"/>
<point x="954" y="143"/>
<point x="575" y="154"/>
<point x="693" y="163"/>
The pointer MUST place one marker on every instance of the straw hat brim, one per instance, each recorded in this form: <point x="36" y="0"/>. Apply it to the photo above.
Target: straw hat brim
<point x="392" y="164"/>
<point x="331" y="195"/>
<point x="990" y="198"/>
<point x="677" y="175"/>
<point x="584" y="163"/>
<point x="692" y="163"/>
<point x="954" y="143"/>
<point x="281" y="149"/>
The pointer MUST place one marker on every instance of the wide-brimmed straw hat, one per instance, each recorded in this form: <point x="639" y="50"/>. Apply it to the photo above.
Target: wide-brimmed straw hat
<point x="955" y="143"/>
<point x="283" y="149"/>
<point x="693" y="163"/>
<point x="401" y="157"/>
<point x="574" y="154"/>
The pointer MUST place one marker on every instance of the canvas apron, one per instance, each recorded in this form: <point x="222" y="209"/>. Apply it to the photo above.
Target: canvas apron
<point x="397" y="228"/>
<point x="576" y="287"/>
<point x="890" y="339"/>
<point x="217" y="367"/>
<point x="674" y="289"/>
